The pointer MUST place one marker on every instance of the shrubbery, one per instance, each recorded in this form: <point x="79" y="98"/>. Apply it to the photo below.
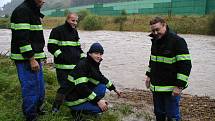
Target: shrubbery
<point x="92" y="22"/>
<point x="211" y="25"/>
<point x="82" y="14"/>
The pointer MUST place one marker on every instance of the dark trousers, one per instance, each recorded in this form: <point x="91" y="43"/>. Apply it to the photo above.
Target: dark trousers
<point x="62" y="76"/>
<point x="166" y="106"/>
<point x="64" y="88"/>
<point x="33" y="89"/>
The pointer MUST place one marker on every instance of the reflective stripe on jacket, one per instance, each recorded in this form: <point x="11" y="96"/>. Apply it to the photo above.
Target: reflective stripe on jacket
<point x="65" y="46"/>
<point x="84" y="77"/>
<point x="170" y="63"/>
<point x="27" y="32"/>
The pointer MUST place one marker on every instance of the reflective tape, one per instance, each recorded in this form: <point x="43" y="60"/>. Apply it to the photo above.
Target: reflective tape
<point x="63" y="66"/>
<point x="161" y="88"/>
<point x="56" y="53"/>
<point x="69" y="43"/>
<point x="83" y="55"/>
<point x="182" y="77"/>
<point x="170" y="60"/>
<point x="80" y="101"/>
<point x="183" y="57"/>
<point x="77" y="81"/>
<point x="20" y="26"/>
<point x="108" y="85"/>
<point x="53" y="41"/>
<point x="20" y="57"/>
<point x="26" y="26"/>
<point x="93" y="81"/>
<point x="36" y="27"/>
<point x="163" y="59"/>
<point x="25" y="48"/>
<point x="64" y="43"/>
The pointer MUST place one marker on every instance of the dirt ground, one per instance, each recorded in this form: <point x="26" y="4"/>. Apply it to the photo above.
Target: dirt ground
<point x="193" y="108"/>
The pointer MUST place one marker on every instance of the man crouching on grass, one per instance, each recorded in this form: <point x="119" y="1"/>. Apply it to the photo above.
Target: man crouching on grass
<point x="88" y="85"/>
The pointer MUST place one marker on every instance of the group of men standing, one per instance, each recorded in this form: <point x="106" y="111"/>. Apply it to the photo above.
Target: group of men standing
<point x="82" y="85"/>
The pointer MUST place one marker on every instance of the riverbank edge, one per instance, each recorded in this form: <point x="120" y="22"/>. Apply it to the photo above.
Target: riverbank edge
<point x="140" y="23"/>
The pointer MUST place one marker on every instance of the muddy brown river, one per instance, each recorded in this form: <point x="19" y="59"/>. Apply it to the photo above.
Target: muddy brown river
<point x="127" y="53"/>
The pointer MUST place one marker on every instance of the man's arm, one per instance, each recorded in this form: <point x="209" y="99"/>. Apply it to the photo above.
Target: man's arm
<point x="183" y="63"/>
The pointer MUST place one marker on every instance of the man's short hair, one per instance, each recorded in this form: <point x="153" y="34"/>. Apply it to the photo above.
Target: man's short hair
<point x="71" y="13"/>
<point x="157" y="20"/>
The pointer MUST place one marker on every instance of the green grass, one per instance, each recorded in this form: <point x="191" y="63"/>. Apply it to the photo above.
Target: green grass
<point x="10" y="98"/>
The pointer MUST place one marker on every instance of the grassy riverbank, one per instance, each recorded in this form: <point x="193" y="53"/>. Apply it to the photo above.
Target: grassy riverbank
<point x="134" y="104"/>
<point x="140" y="23"/>
<point x="10" y="98"/>
<point x="181" y="24"/>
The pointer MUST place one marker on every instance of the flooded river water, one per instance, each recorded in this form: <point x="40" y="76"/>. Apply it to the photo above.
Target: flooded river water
<point x="126" y="57"/>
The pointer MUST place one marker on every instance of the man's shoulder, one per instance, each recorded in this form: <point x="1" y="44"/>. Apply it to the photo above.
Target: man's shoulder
<point x="22" y="7"/>
<point x="175" y="36"/>
<point x="59" y="28"/>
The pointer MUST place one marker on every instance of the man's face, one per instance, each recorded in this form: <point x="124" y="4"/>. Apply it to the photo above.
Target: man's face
<point x="72" y="20"/>
<point x="158" y="30"/>
<point x="40" y="3"/>
<point x="96" y="56"/>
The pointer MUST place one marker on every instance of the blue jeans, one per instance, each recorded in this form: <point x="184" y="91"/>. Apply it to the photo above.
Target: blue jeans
<point x="100" y="90"/>
<point x="33" y="90"/>
<point x="166" y="106"/>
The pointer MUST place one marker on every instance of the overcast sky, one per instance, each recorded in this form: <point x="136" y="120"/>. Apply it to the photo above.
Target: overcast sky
<point x="2" y="2"/>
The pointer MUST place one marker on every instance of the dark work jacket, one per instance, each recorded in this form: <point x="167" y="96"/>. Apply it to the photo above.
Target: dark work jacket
<point x="85" y="76"/>
<point x="64" y="44"/>
<point x="170" y="63"/>
<point x="27" y="32"/>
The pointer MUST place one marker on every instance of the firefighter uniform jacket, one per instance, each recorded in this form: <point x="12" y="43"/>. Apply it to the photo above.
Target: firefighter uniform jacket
<point x="85" y="76"/>
<point x="170" y="63"/>
<point x="65" y="46"/>
<point x="27" y="32"/>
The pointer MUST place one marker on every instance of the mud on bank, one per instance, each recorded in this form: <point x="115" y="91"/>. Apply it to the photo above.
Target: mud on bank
<point x="193" y="108"/>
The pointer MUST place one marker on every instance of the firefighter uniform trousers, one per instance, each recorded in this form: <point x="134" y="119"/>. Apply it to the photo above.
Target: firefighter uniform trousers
<point x="33" y="90"/>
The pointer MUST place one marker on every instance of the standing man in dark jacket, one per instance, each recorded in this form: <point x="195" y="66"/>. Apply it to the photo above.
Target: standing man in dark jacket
<point x="27" y="51"/>
<point x="88" y="85"/>
<point x="169" y="69"/>
<point x="64" y="44"/>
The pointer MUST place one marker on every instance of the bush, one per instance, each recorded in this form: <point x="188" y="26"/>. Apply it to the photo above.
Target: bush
<point x="4" y="23"/>
<point x="82" y="14"/>
<point x="121" y="20"/>
<point x="211" y="24"/>
<point x="92" y="22"/>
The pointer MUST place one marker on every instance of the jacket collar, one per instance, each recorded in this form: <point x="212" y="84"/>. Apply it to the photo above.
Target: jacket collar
<point x="68" y="26"/>
<point x="93" y="62"/>
<point x="32" y="4"/>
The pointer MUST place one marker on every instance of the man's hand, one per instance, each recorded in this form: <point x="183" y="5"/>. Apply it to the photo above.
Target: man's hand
<point x="176" y="91"/>
<point x="147" y="82"/>
<point x="118" y="93"/>
<point x="34" y="64"/>
<point x="103" y="105"/>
